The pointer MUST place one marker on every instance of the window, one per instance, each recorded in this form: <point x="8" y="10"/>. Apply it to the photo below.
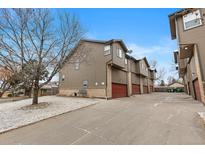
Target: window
<point x="126" y="61"/>
<point x="107" y="50"/>
<point x="119" y="53"/>
<point x="85" y="83"/>
<point x="77" y="65"/>
<point x="63" y="77"/>
<point x="142" y="66"/>
<point x="192" y="19"/>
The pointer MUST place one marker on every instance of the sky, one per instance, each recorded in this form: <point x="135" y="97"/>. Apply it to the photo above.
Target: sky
<point x="145" y="31"/>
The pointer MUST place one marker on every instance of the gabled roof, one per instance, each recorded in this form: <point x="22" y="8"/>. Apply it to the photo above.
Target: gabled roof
<point x="108" y="42"/>
<point x="172" y="18"/>
<point x="145" y="59"/>
<point x="98" y="41"/>
<point x="131" y="57"/>
<point x="176" y="84"/>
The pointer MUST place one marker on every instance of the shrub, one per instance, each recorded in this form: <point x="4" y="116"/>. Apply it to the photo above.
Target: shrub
<point x="9" y="95"/>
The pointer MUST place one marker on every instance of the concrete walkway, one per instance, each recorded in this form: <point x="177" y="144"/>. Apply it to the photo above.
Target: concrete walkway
<point x="158" y="118"/>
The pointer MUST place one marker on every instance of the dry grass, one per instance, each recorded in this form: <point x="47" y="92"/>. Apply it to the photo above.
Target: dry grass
<point x="41" y="105"/>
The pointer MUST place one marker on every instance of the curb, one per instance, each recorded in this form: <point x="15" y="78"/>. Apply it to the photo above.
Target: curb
<point x="32" y="123"/>
<point x="202" y="116"/>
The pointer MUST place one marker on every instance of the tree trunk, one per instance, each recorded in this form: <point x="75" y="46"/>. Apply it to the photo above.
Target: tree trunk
<point x="30" y="92"/>
<point x="1" y="94"/>
<point x="35" y="96"/>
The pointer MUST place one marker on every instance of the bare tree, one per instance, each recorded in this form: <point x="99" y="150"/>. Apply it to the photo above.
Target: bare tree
<point x="5" y="76"/>
<point x="160" y="74"/>
<point x="171" y="79"/>
<point x="37" y="35"/>
<point x="153" y="64"/>
<point x="160" y="71"/>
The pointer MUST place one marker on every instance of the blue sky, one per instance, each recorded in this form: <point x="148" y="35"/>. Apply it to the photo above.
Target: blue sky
<point x="145" y="31"/>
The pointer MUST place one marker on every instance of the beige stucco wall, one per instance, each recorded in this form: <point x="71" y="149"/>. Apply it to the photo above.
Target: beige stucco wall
<point x="129" y="83"/>
<point x="141" y="84"/>
<point x="109" y="81"/>
<point x="189" y="79"/>
<point x="99" y="93"/>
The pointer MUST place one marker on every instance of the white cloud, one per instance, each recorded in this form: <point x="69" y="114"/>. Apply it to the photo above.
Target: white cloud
<point x="161" y="52"/>
<point x="164" y="46"/>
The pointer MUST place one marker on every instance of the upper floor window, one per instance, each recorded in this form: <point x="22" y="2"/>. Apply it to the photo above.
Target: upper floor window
<point x="63" y="77"/>
<point x="107" y="50"/>
<point x="119" y="53"/>
<point x="192" y="19"/>
<point x="77" y="64"/>
<point x="126" y="61"/>
<point x="142" y="66"/>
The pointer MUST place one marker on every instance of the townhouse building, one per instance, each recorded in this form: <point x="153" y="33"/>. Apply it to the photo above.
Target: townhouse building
<point x="187" y="26"/>
<point x="107" y="71"/>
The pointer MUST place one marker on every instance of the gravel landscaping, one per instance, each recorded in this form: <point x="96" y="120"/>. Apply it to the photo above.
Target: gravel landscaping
<point x="20" y="113"/>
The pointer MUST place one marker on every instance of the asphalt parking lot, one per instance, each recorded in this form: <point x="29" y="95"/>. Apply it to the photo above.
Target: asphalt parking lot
<point x="157" y="118"/>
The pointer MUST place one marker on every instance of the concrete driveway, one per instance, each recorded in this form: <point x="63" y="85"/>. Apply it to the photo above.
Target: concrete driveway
<point x="158" y="118"/>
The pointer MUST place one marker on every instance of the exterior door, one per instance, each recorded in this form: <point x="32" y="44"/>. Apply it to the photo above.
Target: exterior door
<point x="135" y="89"/>
<point x="119" y="90"/>
<point x="197" y="90"/>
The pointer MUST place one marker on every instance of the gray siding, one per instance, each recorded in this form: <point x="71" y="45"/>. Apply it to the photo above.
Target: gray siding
<point x="119" y="76"/>
<point x="93" y="69"/>
<point x="143" y="68"/>
<point x="135" y="79"/>
<point x="195" y="35"/>
<point x="117" y="60"/>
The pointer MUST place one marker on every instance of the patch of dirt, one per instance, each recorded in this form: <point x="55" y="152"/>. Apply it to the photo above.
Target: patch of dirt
<point x="41" y="105"/>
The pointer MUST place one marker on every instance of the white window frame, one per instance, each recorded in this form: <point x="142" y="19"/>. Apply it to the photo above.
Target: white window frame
<point x="63" y="77"/>
<point x="107" y="49"/>
<point x="85" y="83"/>
<point x="142" y="65"/>
<point x="190" y="17"/>
<point x="119" y="53"/>
<point x="77" y="65"/>
<point x="126" y="61"/>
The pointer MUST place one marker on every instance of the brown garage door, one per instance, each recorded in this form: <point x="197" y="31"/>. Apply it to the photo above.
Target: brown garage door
<point x="197" y="90"/>
<point x="119" y="90"/>
<point x="151" y="89"/>
<point x="145" y="89"/>
<point x="135" y="89"/>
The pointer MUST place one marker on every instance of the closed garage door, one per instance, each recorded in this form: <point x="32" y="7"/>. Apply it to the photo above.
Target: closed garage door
<point x="151" y="89"/>
<point x="119" y="90"/>
<point x="135" y="89"/>
<point x="145" y="89"/>
<point x="197" y="90"/>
